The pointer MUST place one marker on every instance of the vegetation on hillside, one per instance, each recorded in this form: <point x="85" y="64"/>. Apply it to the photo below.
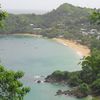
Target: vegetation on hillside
<point x="95" y="17"/>
<point x="3" y="15"/>
<point x="66" y="17"/>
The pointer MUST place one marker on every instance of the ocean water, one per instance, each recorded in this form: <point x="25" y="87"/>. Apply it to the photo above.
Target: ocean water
<point x="38" y="57"/>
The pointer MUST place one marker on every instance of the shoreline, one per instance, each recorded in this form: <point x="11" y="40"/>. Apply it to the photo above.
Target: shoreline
<point x="81" y="50"/>
<point x="28" y="34"/>
<point x="24" y="34"/>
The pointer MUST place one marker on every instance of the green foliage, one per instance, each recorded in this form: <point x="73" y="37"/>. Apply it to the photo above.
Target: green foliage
<point x="87" y="75"/>
<point x="90" y="73"/>
<point x="71" y="77"/>
<point x="3" y="15"/>
<point x="58" y="75"/>
<point x="84" y="88"/>
<point x="92" y="62"/>
<point x="96" y="86"/>
<point x="11" y="88"/>
<point x="95" y="17"/>
<point x="74" y="79"/>
<point x="94" y="43"/>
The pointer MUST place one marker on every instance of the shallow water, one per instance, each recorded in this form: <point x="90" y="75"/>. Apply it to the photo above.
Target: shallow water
<point x="38" y="57"/>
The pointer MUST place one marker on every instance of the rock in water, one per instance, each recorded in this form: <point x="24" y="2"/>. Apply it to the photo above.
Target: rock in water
<point x="38" y="81"/>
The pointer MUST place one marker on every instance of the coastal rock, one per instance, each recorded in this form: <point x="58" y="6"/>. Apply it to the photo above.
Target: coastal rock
<point x="38" y="81"/>
<point x="59" y="92"/>
<point x="69" y="78"/>
<point x="75" y="93"/>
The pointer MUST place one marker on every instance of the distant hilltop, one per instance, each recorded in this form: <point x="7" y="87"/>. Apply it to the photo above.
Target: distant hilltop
<point x="26" y="11"/>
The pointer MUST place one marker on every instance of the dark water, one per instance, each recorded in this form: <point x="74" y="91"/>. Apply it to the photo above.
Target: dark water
<point x="38" y="57"/>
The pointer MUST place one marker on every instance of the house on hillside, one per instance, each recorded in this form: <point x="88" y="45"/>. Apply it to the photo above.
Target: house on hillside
<point x="83" y="31"/>
<point x="93" y="31"/>
<point x="37" y="29"/>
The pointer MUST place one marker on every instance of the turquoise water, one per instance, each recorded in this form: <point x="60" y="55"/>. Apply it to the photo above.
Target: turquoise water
<point x="38" y="57"/>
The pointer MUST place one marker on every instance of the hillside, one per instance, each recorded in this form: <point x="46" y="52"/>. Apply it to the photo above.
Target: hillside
<point x="65" y="14"/>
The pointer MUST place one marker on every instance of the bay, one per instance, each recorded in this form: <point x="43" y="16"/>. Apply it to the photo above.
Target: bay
<point x="38" y="57"/>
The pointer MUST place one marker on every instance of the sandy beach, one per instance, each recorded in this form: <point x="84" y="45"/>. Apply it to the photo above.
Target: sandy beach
<point x="28" y="34"/>
<point x="80" y="49"/>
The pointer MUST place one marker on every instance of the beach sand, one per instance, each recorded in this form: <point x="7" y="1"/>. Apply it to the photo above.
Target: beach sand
<point x="28" y="34"/>
<point x="81" y="50"/>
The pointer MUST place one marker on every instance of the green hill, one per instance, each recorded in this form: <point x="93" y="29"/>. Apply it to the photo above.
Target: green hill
<point x="66" y="19"/>
<point x="65" y="14"/>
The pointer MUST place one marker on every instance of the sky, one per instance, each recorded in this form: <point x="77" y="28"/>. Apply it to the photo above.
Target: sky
<point x="46" y="5"/>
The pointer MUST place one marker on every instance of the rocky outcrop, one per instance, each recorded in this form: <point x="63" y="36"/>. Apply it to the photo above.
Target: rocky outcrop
<point x="69" y="79"/>
<point x="74" y="92"/>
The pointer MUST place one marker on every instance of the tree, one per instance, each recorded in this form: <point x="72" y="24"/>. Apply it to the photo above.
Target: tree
<point x="74" y="79"/>
<point x="3" y="15"/>
<point x="92" y="62"/>
<point x="84" y="88"/>
<point x="96" y="86"/>
<point x="59" y="75"/>
<point x="90" y="67"/>
<point x="95" y="17"/>
<point x="11" y="87"/>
